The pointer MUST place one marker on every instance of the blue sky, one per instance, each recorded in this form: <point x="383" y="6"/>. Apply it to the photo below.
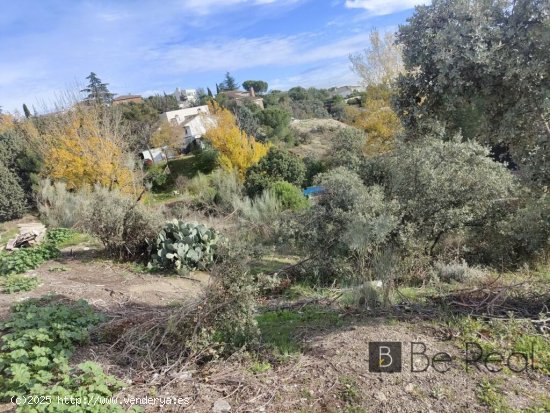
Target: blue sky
<point x="151" y="46"/>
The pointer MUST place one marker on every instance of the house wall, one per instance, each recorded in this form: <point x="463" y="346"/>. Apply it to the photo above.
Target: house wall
<point x="178" y="116"/>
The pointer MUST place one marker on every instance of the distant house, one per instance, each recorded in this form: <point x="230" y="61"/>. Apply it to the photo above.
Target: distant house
<point x="240" y="97"/>
<point x="345" y="91"/>
<point x="177" y="117"/>
<point x="127" y="99"/>
<point x="194" y="122"/>
<point x="155" y="155"/>
<point x="186" y="97"/>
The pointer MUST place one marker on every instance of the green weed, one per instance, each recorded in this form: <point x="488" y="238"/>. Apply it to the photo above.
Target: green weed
<point x="280" y="329"/>
<point x="16" y="283"/>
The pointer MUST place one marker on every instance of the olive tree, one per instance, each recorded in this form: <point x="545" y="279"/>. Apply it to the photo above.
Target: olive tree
<point x="442" y="186"/>
<point x="481" y="68"/>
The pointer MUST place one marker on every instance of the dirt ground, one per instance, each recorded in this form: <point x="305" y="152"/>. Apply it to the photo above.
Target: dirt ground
<point x="108" y="286"/>
<point x="321" y="131"/>
<point x="331" y="374"/>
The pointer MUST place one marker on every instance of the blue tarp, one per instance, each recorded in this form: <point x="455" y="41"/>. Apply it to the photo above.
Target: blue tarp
<point x="313" y="190"/>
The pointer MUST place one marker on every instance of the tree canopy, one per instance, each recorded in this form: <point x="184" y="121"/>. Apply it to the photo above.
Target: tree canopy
<point x="229" y="83"/>
<point x="97" y="91"/>
<point x="481" y="68"/>
<point x="259" y="85"/>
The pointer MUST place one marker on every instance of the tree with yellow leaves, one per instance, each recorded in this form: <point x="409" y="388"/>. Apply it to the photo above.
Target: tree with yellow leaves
<point x="84" y="147"/>
<point x="7" y="122"/>
<point x="167" y="135"/>
<point x="380" y="123"/>
<point x="237" y="150"/>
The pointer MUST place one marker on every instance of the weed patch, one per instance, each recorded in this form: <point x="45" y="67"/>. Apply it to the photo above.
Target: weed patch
<point x="16" y="283"/>
<point x="35" y="348"/>
<point x="281" y="329"/>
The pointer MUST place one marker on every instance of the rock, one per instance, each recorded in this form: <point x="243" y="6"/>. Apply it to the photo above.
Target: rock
<point x="381" y="397"/>
<point x="221" y="406"/>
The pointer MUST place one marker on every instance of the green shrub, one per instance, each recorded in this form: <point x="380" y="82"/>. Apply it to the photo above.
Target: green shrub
<point x="277" y="165"/>
<point x="263" y="209"/>
<point x="22" y="159"/>
<point x="228" y="188"/>
<point x="347" y="149"/>
<point x="443" y="188"/>
<point x="181" y="245"/>
<point x="201" y="189"/>
<point x="207" y="160"/>
<point x="16" y="283"/>
<point x="343" y="227"/>
<point x="289" y="196"/>
<point x="13" y="202"/>
<point x="124" y="225"/>
<point x="313" y="168"/>
<point x="157" y="177"/>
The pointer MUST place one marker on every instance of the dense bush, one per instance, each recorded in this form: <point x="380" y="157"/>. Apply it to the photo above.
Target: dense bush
<point x="277" y="165"/>
<point x="289" y="196"/>
<point x="156" y="177"/>
<point x="442" y="187"/>
<point x="263" y="209"/>
<point x="227" y="188"/>
<point x="347" y="149"/>
<point x="22" y="159"/>
<point x="207" y="160"/>
<point x="184" y="246"/>
<point x="313" y="168"/>
<point x="345" y="226"/>
<point x="13" y="202"/>
<point x="308" y="109"/>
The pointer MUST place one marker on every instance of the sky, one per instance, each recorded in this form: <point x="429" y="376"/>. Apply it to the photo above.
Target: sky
<point x="48" y="47"/>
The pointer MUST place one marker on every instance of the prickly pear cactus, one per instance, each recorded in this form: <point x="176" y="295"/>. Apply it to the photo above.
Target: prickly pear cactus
<point x="184" y="246"/>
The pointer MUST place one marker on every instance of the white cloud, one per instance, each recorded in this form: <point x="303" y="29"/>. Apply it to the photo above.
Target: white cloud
<point x="382" y="7"/>
<point x="204" y="7"/>
<point x="235" y="54"/>
<point x="333" y="74"/>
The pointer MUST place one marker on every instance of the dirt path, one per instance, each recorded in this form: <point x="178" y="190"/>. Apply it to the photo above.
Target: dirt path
<point x="332" y="375"/>
<point x="104" y="284"/>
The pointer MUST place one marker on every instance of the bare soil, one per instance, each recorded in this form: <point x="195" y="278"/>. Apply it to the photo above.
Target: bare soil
<point x="84" y="273"/>
<point x="320" y="131"/>
<point x="330" y="375"/>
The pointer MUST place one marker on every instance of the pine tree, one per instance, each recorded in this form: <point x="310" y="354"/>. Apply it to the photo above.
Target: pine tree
<point x="229" y="83"/>
<point x="26" y="111"/>
<point x="209" y="92"/>
<point x="97" y="91"/>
